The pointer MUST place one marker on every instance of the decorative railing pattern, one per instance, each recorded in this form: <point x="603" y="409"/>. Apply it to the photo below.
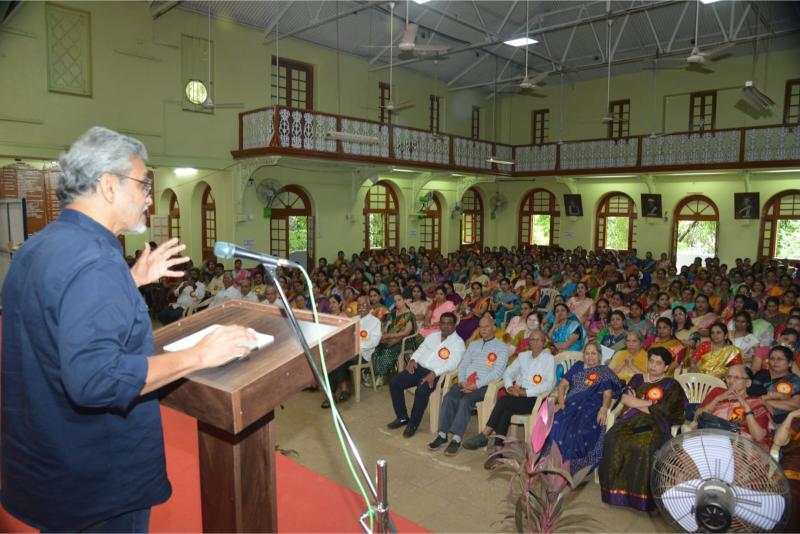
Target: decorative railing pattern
<point x="691" y="148"/>
<point x="286" y="130"/>
<point x="780" y="143"/>
<point x="421" y="146"/>
<point x="535" y="158"/>
<point x="599" y="154"/>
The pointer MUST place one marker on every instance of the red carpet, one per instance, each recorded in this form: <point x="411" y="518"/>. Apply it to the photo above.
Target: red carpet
<point x="335" y="508"/>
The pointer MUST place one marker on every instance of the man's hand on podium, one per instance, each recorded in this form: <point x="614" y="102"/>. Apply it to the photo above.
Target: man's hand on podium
<point x="224" y="344"/>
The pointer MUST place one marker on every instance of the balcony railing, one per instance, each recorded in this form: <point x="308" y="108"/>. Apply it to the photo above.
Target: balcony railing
<point x="295" y="132"/>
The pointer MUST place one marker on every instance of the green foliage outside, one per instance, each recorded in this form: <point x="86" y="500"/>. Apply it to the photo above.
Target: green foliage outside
<point x="298" y="234"/>
<point x="376" y="230"/>
<point x="698" y="237"/>
<point x="617" y="233"/>
<point x="540" y="230"/>
<point x="788" y="243"/>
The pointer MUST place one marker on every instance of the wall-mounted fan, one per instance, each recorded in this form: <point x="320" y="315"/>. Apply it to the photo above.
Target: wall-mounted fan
<point x="717" y="481"/>
<point x="458" y="209"/>
<point x="266" y="190"/>
<point x="498" y="203"/>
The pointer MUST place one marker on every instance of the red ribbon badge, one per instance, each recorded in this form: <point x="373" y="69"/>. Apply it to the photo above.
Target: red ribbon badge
<point x="737" y="414"/>
<point x="591" y="379"/>
<point x="491" y="358"/>
<point x="655" y="394"/>
<point x="364" y="334"/>
<point x="444" y="353"/>
<point x="537" y="379"/>
<point x="473" y="378"/>
<point x="784" y="388"/>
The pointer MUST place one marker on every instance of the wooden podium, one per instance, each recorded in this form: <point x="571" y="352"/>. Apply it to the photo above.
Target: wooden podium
<point x="234" y="404"/>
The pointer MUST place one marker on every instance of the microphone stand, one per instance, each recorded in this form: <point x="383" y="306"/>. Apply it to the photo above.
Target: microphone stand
<point x="383" y="523"/>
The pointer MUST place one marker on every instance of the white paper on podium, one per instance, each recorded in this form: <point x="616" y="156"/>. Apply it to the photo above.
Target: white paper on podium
<point x="607" y="353"/>
<point x="262" y="340"/>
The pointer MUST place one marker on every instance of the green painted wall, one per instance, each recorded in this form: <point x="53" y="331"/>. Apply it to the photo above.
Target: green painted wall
<point x="137" y="90"/>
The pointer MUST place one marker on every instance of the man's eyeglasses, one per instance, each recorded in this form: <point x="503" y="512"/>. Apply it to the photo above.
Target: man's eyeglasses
<point x="730" y="377"/>
<point x="148" y="185"/>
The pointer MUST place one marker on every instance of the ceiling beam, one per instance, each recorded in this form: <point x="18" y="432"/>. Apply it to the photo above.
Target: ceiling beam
<point x="480" y="18"/>
<point x="655" y="33"/>
<point x="677" y="26"/>
<point x="719" y="21"/>
<point x="161" y="8"/>
<point x="741" y="21"/>
<point x="274" y="23"/>
<point x="346" y="12"/>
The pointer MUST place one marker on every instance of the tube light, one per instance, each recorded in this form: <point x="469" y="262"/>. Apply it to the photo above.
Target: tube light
<point x="353" y="138"/>
<point x="521" y="41"/>
<point x="185" y="171"/>
<point x="403" y="170"/>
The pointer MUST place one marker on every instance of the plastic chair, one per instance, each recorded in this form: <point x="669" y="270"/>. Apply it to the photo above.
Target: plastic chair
<point x="610" y="419"/>
<point x="356" y="369"/>
<point x="485" y="407"/>
<point x="196" y="307"/>
<point x="460" y="289"/>
<point x="697" y="387"/>
<point x="550" y="293"/>
<point x="402" y="360"/>
<point x="435" y="400"/>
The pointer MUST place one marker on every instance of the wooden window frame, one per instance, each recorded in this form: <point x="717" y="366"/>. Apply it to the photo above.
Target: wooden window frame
<point x="703" y="96"/>
<point x="604" y="212"/>
<point x="282" y="213"/>
<point x="528" y="208"/>
<point x="768" y="233"/>
<point x="205" y="206"/>
<point x="619" y="128"/>
<point x="540" y="126"/>
<point x="788" y="104"/>
<point x="434" y="113"/>
<point x="476" y="122"/>
<point x="174" y="215"/>
<point x="391" y="240"/>
<point x="677" y="217"/>
<point x="477" y="213"/>
<point x="291" y="65"/>
<point x="384" y="96"/>
<point x="432" y="240"/>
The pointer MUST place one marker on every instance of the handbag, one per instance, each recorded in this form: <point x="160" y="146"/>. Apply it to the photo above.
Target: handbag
<point x="707" y="420"/>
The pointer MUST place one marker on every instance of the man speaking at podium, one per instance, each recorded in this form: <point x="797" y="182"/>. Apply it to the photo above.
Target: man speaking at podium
<point x="82" y="441"/>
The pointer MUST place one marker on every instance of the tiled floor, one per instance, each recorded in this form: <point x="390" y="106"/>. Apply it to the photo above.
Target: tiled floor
<point x="441" y="493"/>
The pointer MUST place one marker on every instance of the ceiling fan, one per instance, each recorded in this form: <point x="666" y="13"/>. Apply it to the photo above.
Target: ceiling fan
<point x="700" y="57"/>
<point x="529" y="84"/>
<point x="390" y="105"/>
<point x="209" y="103"/>
<point x="408" y="43"/>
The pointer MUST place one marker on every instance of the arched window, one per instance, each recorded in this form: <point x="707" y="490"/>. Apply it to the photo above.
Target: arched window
<point x="616" y="216"/>
<point x="291" y="225"/>
<point x="208" y="220"/>
<point x="381" y="217"/>
<point x="472" y="218"/>
<point x="174" y="217"/>
<point x="780" y="226"/>
<point x="431" y="225"/>
<point x="695" y="230"/>
<point x="538" y="219"/>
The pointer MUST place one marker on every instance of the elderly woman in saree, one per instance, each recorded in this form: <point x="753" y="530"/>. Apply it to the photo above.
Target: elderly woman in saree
<point x="566" y="333"/>
<point x="581" y="304"/>
<point x="439" y="306"/>
<point x="613" y="335"/>
<point x="654" y="403"/>
<point x="471" y="310"/>
<point x="714" y="355"/>
<point x="664" y="338"/>
<point x="632" y="360"/>
<point x="584" y="397"/>
<point x="505" y="303"/>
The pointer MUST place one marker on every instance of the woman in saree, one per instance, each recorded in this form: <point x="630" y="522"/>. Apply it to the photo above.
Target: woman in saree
<point x="439" y="306"/>
<point x="450" y="291"/>
<point x="581" y="305"/>
<point x="683" y="329"/>
<point x="654" y="403"/>
<point x="376" y="304"/>
<point x="471" y="310"/>
<point x="566" y="334"/>
<point x="599" y="319"/>
<point x="505" y="303"/>
<point x="419" y="303"/>
<point x="617" y="302"/>
<point x="545" y="278"/>
<point x="742" y="336"/>
<point x="630" y="361"/>
<point x="584" y="396"/>
<point x="703" y="317"/>
<point x="660" y="308"/>
<point x="636" y="321"/>
<point x="632" y="289"/>
<point x="398" y="324"/>
<point x="529" y="290"/>
<point x="735" y="405"/>
<point x="712" y="357"/>
<point x="771" y="312"/>
<point x="519" y="323"/>
<point x="663" y="338"/>
<point x="613" y="336"/>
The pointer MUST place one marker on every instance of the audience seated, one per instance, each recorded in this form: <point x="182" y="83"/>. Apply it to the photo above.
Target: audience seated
<point x="484" y="361"/>
<point x="439" y="306"/>
<point x="777" y="386"/>
<point x="531" y="375"/>
<point x="582" y="403"/>
<point x="632" y="360"/>
<point x="190" y="291"/>
<point x="713" y="356"/>
<point x="230" y="292"/>
<point x="399" y="323"/>
<point x="654" y="402"/>
<point x="472" y="308"/>
<point x="439" y="354"/>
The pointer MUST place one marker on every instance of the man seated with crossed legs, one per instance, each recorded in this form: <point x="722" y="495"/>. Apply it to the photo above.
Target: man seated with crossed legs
<point x="484" y="362"/>
<point x="438" y="355"/>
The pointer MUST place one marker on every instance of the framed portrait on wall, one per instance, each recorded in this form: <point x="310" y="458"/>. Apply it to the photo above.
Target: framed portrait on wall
<point x="651" y="205"/>
<point x="745" y="206"/>
<point x="573" y="205"/>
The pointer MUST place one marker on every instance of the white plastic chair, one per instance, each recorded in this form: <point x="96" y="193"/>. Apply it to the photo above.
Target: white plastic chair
<point x="697" y="387"/>
<point x="356" y="369"/>
<point x="552" y="293"/>
<point x="486" y="406"/>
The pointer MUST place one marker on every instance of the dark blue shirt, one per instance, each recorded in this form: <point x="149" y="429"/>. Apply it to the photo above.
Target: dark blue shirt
<point x="79" y="444"/>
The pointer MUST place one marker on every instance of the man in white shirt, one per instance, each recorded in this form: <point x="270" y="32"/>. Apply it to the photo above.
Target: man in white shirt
<point x="532" y="375"/>
<point x="190" y="291"/>
<point x="271" y="296"/>
<point x="246" y="290"/>
<point x="369" y="335"/>
<point x="230" y="292"/>
<point x="439" y="354"/>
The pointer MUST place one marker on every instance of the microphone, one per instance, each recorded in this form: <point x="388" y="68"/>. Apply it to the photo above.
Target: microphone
<point x="229" y="250"/>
